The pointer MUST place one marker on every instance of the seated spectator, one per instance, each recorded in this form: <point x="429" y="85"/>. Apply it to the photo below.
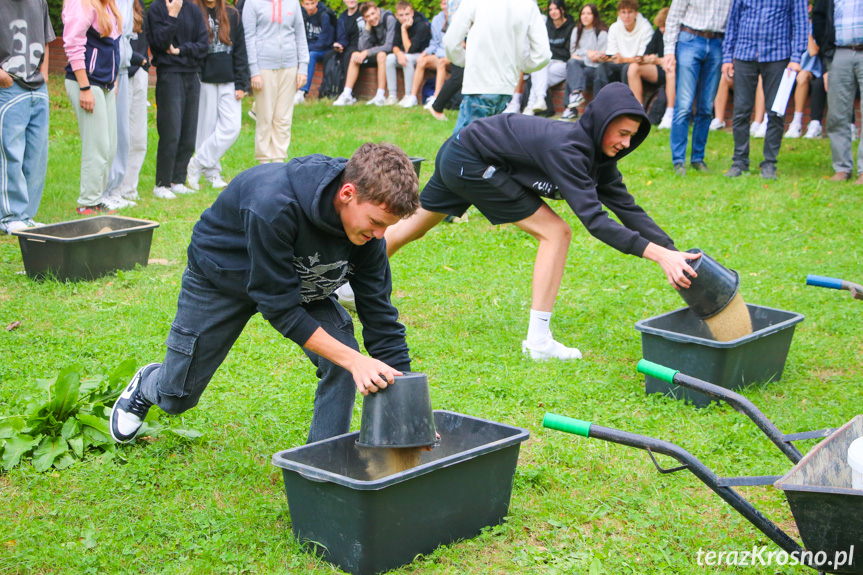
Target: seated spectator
<point x="628" y="38"/>
<point x="433" y="57"/>
<point x="588" y="46"/>
<point x="347" y="42"/>
<point x="649" y="68"/>
<point x="810" y="65"/>
<point x="320" y="33"/>
<point x="412" y="38"/>
<point x="559" y="27"/>
<point x="376" y="41"/>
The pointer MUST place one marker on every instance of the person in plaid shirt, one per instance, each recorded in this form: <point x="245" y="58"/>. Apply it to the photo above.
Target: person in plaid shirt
<point x="762" y="37"/>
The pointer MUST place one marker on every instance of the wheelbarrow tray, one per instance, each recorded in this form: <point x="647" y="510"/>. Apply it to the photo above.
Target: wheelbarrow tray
<point x="828" y="512"/>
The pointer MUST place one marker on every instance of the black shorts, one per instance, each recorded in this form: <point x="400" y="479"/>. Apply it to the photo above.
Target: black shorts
<point x="660" y="75"/>
<point x="461" y="180"/>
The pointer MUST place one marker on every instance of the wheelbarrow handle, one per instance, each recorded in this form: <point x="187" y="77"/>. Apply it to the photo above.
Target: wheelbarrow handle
<point x="689" y="461"/>
<point x="824" y="281"/>
<point x="734" y="399"/>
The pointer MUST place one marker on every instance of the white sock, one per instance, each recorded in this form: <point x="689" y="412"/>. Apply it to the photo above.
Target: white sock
<point x="516" y="99"/>
<point x="348" y="91"/>
<point x="763" y="119"/>
<point x="798" y="118"/>
<point x="380" y="93"/>
<point x="539" y="330"/>
<point x="669" y="113"/>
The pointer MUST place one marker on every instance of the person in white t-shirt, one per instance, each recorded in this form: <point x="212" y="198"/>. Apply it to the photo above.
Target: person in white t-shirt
<point x="628" y="37"/>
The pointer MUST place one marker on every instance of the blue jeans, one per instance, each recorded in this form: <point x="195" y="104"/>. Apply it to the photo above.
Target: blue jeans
<point x="24" y="143"/>
<point x="314" y="56"/>
<point x="699" y="65"/>
<point x="476" y="106"/>
<point x="207" y="324"/>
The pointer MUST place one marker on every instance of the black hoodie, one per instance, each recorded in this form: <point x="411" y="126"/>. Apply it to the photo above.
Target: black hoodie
<point x="565" y="161"/>
<point x="187" y="32"/>
<point x="273" y="237"/>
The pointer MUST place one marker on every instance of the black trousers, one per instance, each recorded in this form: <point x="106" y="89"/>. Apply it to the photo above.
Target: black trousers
<point x="450" y="88"/>
<point x="745" y="84"/>
<point x="177" y="95"/>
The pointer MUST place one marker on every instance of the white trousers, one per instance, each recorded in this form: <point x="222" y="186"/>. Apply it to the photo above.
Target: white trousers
<point x="219" y="121"/>
<point x="552" y="74"/>
<point x="121" y="157"/>
<point x="392" y="64"/>
<point x="138" y="86"/>
<point x="274" y="109"/>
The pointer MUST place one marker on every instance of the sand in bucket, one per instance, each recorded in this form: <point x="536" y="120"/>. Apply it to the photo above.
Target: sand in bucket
<point x="385" y="461"/>
<point x="732" y="322"/>
<point x="105" y="230"/>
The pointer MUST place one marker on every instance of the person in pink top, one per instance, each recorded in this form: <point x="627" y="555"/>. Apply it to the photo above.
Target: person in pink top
<point x="91" y="29"/>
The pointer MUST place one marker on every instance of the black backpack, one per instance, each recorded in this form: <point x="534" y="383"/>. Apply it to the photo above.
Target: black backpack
<point x="333" y="81"/>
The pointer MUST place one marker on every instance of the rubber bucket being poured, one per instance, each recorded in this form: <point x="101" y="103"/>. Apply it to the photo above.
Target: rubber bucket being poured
<point x="397" y="425"/>
<point x="714" y="297"/>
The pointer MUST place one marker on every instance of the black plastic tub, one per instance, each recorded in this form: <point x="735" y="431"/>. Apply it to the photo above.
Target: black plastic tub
<point x="682" y="341"/>
<point x="368" y="526"/>
<point x="828" y="512"/>
<point x="418" y="163"/>
<point x="87" y="248"/>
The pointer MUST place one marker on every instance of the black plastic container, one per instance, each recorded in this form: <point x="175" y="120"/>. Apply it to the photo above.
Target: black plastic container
<point x="828" y="512"/>
<point x="417" y="162"/>
<point x="80" y="250"/>
<point x="366" y="526"/>
<point x="681" y="341"/>
<point x="399" y="415"/>
<point x="713" y="289"/>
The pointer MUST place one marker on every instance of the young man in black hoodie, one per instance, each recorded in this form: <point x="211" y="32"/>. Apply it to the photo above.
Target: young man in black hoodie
<point x="279" y="240"/>
<point x="508" y="164"/>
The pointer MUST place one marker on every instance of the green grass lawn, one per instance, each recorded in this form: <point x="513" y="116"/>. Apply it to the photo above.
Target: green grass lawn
<point x="217" y="505"/>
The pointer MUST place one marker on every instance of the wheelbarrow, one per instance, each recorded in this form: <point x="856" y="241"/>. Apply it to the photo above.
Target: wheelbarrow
<point x="828" y="512"/>
<point x="835" y="283"/>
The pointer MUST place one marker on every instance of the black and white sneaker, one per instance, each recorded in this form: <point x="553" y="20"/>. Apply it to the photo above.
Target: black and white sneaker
<point x="130" y="409"/>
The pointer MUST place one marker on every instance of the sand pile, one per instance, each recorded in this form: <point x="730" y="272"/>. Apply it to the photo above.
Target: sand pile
<point x="383" y="462"/>
<point x="732" y="322"/>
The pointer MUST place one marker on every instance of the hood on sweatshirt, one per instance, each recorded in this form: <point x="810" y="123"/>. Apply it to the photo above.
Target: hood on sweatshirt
<point x="614" y="100"/>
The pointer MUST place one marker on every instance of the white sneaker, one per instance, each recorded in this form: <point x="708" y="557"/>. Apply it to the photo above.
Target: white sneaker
<point x="299" y="97"/>
<point x="345" y="99"/>
<point x="569" y="115"/>
<point x="665" y="124"/>
<point x="346" y="297"/>
<point x="539" y="105"/>
<point x="218" y="183"/>
<point x="761" y="132"/>
<point x="193" y="175"/>
<point x="552" y="350"/>
<point x="131" y="195"/>
<point x="181" y="189"/>
<point x="408" y="101"/>
<point x="576" y="99"/>
<point x="429" y="103"/>
<point x="793" y="131"/>
<point x="754" y="127"/>
<point x="164" y="193"/>
<point x="113" y="202"/>
<point x="252" y="115"/>
<point x="31" y="223"/>
<point x="514" y="107"/>
<point x="391" y="100"/>
<point x="377" y="101"/>
<point x="717" y="124"/>
<point x="528" y="110"/>
<point x="853" y="132"/>
<point x="15" y="226"/>
<point x="814" y="130"/>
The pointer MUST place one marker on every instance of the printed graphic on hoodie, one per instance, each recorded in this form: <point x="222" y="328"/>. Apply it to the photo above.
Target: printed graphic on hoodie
<point x="319" y="280"/>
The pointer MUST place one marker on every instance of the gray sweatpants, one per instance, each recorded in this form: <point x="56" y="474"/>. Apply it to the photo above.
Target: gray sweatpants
<point x="98" y="131"/>
<point x="846" y="74"/>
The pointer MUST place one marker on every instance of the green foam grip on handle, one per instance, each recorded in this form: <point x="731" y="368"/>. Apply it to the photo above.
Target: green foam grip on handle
<point x="660" y="372"/>
<point x="566" y="424"/>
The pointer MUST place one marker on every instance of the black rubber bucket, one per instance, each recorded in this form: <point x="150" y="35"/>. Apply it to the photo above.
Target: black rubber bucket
<point x="400" y="415"/>
<point x="418" y="163"/>
<point x="713" y="289"/>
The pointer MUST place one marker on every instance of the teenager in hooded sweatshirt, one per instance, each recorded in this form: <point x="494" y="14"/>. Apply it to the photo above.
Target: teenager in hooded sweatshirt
<point x="508" y="165"/>
<point x="179" y="43"/>
<point x="279" y="240"/>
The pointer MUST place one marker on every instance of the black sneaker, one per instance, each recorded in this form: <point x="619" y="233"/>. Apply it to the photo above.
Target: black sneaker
<point x="768" y="171"/>
<point x="700" y="167"/>
<point x="130" y="409"/>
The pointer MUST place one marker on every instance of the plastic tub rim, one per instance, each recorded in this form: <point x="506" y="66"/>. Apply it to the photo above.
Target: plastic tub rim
<point x="320" y="475"/>
<point x="37" y="233"/>
<point x="683" y="338"/>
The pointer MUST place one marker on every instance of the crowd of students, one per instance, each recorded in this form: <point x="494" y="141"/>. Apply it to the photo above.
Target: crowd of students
<point x="209" y="55"/>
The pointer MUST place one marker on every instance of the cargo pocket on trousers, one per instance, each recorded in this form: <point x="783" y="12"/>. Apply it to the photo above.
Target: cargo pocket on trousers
<point x="179" y="366"/>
